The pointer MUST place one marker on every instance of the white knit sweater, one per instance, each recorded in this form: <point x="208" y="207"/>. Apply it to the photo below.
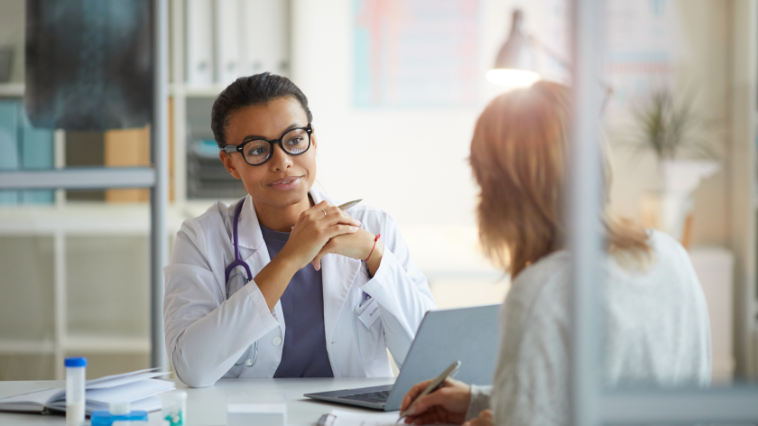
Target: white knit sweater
<point x="653" y="327"/>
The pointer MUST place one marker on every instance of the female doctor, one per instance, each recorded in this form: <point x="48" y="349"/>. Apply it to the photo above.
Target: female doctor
<point x="282" y="283"/>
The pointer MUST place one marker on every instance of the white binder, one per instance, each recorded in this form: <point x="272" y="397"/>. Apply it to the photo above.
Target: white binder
<point x="228" y="25"/>
<point x="199" y="31"/>
<point x="265" y="36"/>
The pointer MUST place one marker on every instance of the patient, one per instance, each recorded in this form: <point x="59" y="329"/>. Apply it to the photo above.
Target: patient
<point x="655" y="329"/>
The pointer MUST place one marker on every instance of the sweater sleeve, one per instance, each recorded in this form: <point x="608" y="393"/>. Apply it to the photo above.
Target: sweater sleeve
<point x="480" y="401"/>
<point x="532" y="367"/>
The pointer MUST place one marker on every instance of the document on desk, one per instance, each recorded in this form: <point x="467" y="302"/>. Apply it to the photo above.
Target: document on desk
<point x="140" y="388"/>
<point x="356" y="418"/>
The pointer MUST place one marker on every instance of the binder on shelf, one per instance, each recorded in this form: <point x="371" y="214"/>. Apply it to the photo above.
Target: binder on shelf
<point x="199" y="31"/>
<point x="9" y="159"/>
<point x="228" y="24"/>
<point x="265" y="44"/>
<point x="125" y="148"/>
<point x="36" y="153"/>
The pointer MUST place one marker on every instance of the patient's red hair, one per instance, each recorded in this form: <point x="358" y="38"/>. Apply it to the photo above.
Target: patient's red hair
<point x="519" y="155"/>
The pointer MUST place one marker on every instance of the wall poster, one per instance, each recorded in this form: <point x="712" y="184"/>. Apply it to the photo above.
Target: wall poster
<point x="416" y="53"/>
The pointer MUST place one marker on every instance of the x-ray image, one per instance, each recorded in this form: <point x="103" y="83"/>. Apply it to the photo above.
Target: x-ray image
<point x="88" y="64"/>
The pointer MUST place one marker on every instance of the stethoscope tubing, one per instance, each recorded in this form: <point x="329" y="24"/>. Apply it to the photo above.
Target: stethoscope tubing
<point x="235" y="236"/>
<point x="239" y="262"/>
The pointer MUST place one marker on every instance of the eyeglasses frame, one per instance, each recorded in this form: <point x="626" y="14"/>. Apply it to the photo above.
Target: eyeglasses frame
<point x="229" y="149"/>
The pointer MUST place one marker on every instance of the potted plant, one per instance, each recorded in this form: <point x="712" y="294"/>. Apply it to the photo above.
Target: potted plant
<point x="680" y="140"/>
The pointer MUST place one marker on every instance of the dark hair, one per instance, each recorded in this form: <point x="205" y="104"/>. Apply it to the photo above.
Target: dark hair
<point x="258" y="89"/>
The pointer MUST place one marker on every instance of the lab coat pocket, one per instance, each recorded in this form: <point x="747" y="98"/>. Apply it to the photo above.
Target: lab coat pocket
<point x="370" y="330"/>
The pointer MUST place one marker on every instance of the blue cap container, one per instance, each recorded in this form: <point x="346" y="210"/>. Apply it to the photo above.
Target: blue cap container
<point x="106" y="418"/>
<point x="76" y="362"/>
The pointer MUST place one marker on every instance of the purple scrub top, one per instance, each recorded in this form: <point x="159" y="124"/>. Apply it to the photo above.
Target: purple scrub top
<point x="304" y="353"/>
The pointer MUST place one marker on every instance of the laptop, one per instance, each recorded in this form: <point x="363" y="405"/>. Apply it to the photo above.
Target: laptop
<point x="469" y="335"/>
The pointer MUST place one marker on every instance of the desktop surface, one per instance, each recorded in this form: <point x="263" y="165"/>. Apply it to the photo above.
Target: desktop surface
<point x="207" y="406"/>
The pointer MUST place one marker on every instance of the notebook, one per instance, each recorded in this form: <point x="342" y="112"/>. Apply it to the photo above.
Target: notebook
<point x="139" y="388"/>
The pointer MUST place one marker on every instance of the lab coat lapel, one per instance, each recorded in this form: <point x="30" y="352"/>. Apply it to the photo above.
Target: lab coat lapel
<point x="252" y="246"/>
<point x="337" y="275"/>
<point x="250" y="235"/>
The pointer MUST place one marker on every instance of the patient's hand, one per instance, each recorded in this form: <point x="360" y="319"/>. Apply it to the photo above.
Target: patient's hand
<point x="447" y="404"/>
<point x="484" y="419"/>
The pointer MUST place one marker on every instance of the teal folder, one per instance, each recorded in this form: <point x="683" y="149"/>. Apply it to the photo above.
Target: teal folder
<point x="36" y="153"/>
<point x="9" y="158"/>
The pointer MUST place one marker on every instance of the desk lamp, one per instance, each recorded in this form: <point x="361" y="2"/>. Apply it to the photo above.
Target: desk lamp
<point x="515" y="64"/>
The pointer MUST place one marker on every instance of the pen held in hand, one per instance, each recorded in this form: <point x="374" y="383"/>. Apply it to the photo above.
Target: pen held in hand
<point x="434" y="385"/>
<point x="349" y="204"/>
<point x="346" y="206"/>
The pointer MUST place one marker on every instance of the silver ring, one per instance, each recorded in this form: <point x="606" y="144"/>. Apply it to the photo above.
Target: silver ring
<point x="324" y="212"/>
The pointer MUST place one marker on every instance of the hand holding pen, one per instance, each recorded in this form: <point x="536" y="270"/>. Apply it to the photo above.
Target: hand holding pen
<point x="361" y="245"/>
<point x="447" y="403"/>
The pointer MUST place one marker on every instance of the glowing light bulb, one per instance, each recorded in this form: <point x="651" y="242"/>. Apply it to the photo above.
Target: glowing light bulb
<point x="512" y="78"/>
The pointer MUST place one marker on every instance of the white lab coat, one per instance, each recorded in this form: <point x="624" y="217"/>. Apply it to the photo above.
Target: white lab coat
<point x="210" y="335"/>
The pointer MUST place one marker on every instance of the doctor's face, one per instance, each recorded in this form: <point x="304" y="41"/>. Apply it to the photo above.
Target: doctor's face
<point x="284" y="179"/>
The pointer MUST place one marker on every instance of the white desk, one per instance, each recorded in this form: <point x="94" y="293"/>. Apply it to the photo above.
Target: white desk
<point x="207" y="406"/>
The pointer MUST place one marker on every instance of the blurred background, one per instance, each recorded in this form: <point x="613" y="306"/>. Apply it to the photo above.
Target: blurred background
<point x="395" y="87"/>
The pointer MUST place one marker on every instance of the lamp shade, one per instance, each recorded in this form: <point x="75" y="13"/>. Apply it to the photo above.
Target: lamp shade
<point x="515" y="64"/>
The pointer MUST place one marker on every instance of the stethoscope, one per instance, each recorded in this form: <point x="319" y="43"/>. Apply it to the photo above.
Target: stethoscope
<point x="239" y="262"/>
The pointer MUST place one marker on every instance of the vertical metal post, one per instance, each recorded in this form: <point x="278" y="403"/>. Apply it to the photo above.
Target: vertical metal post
<point x="159" y="193"/>
<point x="584" y="213"/>
<point x="179" y="96"/>
<point x="59" y="141"/>
<point x="61" y="302"/>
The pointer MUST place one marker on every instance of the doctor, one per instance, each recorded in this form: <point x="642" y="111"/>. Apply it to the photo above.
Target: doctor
<point x="282" y="283"/>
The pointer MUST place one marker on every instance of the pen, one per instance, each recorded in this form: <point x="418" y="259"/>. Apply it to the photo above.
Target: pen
<point x="347" y="205"/>
<point x="436" y="384"/>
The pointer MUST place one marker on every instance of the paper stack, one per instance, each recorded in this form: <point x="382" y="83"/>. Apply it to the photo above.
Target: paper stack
<point x="139" y="388"/>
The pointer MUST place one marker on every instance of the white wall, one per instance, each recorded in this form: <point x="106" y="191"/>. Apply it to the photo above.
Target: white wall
<point x="410" y="162"/>
<point x="383" y="155"/>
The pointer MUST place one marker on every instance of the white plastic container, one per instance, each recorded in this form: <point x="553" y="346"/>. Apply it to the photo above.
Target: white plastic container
<point x="259" y="409"/>
<point x="75" y="384"/>
<point x="174" y="411"/>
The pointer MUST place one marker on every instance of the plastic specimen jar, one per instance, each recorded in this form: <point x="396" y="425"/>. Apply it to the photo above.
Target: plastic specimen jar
<point x="174" y="408"/>
<point x="75" y="384"/>
<point x="259" y="409"/>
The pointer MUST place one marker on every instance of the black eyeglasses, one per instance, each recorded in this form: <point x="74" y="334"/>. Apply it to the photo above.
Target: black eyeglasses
<point x="257" y="151"/>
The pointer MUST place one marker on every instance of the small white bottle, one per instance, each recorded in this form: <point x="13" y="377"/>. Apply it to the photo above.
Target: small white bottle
<point x="75" y="384"/>
<point x="174" y="408"/>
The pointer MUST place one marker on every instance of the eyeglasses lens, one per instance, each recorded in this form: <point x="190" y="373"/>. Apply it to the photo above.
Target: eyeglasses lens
<point x="257" y="152"/>
<point x="296" y="141"/>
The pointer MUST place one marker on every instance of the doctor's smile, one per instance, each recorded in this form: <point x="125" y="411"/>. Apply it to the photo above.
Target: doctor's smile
<point x="285" y="184"/>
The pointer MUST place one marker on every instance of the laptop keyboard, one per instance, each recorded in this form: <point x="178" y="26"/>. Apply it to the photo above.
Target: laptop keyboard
<point x="379" y="397"/>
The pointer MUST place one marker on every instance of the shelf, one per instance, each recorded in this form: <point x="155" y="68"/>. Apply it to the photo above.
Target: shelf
<point x="10" y="346"/>
<point x="78" y="343"/>
<point x="87" y="178"/>
<point x="94" y="218"/>
<point x="195" y="91"/>
<point x="106" y="344"/>
<point x="12" y="89"/>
